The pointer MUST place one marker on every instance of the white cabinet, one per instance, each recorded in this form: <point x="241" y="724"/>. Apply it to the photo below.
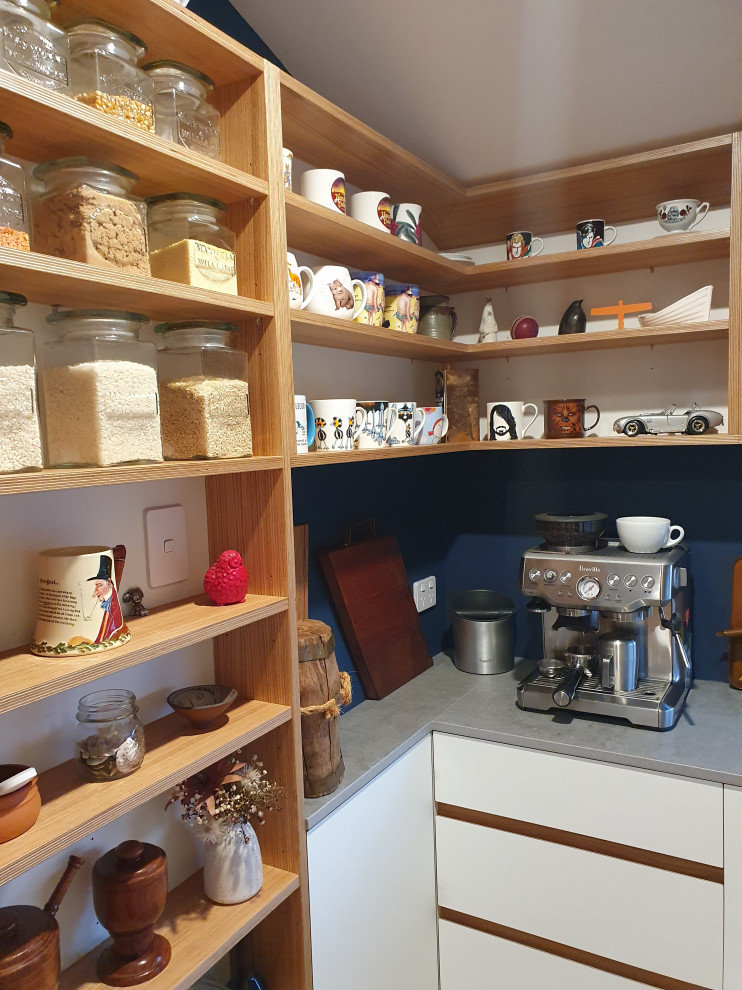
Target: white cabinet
<point x="732" y="887"/>
<point x="372" y="884"/>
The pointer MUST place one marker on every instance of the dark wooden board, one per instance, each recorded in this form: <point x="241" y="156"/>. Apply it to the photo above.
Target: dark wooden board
<point x="372" y="596"/>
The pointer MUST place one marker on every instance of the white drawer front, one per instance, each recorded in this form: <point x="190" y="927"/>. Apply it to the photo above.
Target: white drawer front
<point x="642" y="808"/>
<point x="478" y="961"/>
<point x="659" y="921"/>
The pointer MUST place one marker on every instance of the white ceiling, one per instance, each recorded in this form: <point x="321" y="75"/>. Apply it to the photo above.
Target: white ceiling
<point x="494" y="87"/>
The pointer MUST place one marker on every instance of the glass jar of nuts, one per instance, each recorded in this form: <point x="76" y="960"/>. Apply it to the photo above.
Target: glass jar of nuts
<point x="30" y="46"/>
<point x="182" y="114"/>
<point x="104" y="73"/>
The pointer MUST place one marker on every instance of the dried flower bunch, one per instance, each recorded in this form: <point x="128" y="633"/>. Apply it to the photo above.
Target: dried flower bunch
<point x="230" y="792"/>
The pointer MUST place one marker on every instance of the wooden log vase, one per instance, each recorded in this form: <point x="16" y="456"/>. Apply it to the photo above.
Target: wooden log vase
<point x="323" y="689"/>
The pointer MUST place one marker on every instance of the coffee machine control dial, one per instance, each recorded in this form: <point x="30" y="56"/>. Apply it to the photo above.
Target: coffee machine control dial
<point x="613" y="580"/>
<point x="588" y="588"/>
<point x="550" y="576"/>
<point x="630" y="580"/>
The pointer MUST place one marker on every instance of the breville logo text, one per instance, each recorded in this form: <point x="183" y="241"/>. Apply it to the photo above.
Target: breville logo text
<point x="589" y="570"/>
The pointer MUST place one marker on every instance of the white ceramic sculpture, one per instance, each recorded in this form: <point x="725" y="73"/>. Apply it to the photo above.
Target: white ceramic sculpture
<point x="488" y="324"/>
<point x="694" y="308"/>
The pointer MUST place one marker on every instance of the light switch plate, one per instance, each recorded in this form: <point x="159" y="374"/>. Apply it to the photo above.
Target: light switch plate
<point x="167" y="545"/>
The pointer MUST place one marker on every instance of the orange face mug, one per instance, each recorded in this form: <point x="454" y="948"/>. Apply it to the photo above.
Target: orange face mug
<point x="565" y="418"/>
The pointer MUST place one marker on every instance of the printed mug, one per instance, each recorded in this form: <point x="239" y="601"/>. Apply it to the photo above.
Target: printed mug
<point x="505" y="420"/>
<point x="565" y="418"/>
<point x="325" y="186"/>
<point x="681" y="214"/>
<point x="288" y="167"/>
<point x="519" y="244"/>
<point x="435" y="426"/>
<point x="299" y="295"/>
<point x="334" y="294"/>
<point x="372" y="208"/>
<point x="406" y="222"/>
<point x="380" y="420"/>
<point x="304" y="419"/>
<point x="409" y="425"/>
<point x="591" y="234"/>
<point x="372" y="313"/>
<point x="337" y="423"/>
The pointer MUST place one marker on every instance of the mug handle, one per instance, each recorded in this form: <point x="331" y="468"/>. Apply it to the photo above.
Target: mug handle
<point x="587" y="428"/>
<point x="533" y="253"/>
<point x="444" y="427"/>
<point x="310" y="429"/>
<point x="530" y="423"/>
<point x="418" y="428"/>
<point x="390" y="421"/>
<point x="362" y="306"/>
<point x="700" y="215"/>
<point x="608" y="227"/>
<point x="303" y="270"/>
<point x="360" y="420"/>
<point x="673" y="540"/>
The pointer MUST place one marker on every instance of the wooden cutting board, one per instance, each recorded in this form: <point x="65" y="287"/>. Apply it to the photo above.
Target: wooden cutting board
<point x="372" y="596"/>
<point x="735" y="643"/>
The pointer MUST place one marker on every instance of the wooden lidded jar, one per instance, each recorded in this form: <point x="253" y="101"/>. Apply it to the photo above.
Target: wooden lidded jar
<point x="321" y="691"/>
<point x="129" y="894"/>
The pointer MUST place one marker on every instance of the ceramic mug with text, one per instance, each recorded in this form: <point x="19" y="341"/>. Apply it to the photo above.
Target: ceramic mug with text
<point x="648" y="534"/>
<point x="505" y="420"/>
<point x="334" y="293"/>
<point x="591" y="234"/>
<point x="380" y="420"/>
<point x="409" y="425"/>
<point x="304" y="419"/>
<point x="564" y="419"/>
<point x="299" y="293"/>
<point x="325" y="186"/>
<point x="372" y="208"/>
<point x="519" y="244"/>
<point x="337" y="423"/>
<point x="435" y="425"/>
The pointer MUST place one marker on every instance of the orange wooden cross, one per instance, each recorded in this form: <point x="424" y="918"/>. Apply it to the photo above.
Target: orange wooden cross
<point x="621" y="310"/>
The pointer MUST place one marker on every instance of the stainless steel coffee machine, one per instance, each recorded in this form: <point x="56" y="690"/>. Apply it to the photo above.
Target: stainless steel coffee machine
<point x="615" y="626"/>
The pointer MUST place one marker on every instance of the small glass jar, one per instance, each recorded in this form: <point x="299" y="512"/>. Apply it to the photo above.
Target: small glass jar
<point x="86" y="213"/>
<point x="189" y="243"/>
<point x="204" y="402"/>
<point x="13" y="210"/>
<point x="182" y="114"/>
<point x="99" y="384"/>
<point x="109" y="740"/>
<point x="30" y="46"/>
<point x="104" y="73"/>
<point x="20" y="437"/>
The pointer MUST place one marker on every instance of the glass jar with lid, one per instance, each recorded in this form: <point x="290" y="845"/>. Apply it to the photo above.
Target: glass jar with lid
<point x="13" y="204"/>
<point x="189" y="243"/>
<point x="20" y="437"/>
<point x="30" y="45"/>
<point x="204" y="402"/>
<point x="85" y="212"/>
<point x="99" y="383"/>
<point x="182" y="114"/>
<point x="104" y="73"/>
<point x="109" y="739"/>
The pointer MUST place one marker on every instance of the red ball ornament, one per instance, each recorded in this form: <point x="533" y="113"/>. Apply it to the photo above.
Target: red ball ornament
<point x="226" y="580"/>
<point x="524" y="326"/>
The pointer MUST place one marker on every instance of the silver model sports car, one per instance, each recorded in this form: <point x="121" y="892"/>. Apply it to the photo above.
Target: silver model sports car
<point x="694" y="420"/>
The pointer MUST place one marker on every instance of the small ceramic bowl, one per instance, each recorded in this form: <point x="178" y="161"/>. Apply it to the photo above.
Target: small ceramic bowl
<point x="202" y="704"/>
<point x="20" y="801"/>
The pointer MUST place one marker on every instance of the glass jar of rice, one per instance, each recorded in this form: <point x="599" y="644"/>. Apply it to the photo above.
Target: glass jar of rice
<point x="20" y="438"/>
<point x="204" y="400"/>
<point x="99" y="384"/>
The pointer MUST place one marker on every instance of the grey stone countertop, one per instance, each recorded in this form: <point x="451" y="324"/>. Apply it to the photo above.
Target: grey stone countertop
<point x="706" y="742"/>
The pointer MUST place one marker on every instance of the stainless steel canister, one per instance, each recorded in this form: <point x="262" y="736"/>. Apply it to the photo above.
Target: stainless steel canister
<point x="483" y="632"/>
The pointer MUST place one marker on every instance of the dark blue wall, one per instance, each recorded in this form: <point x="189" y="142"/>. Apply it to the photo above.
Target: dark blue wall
<point x="222" y="15"/>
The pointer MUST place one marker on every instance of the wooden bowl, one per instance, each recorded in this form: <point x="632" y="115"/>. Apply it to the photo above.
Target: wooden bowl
<point x="20" y="806"/>
<point x="202" y="704"/>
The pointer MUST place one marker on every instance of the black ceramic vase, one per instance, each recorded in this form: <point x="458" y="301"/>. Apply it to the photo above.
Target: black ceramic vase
<point x="573" y="319"/>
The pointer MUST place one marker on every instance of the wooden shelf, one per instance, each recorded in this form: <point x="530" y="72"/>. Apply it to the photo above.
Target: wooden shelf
<point x="56" y="281"/>
<point x="25" y="678"/>
<point x="72" y="808"/>
<point x="328" y="331"/>
<point x="35" y="114"/>
<point x="346" y="456"/>
<point x="199" y="931"/>
<point x="56" y="479"/>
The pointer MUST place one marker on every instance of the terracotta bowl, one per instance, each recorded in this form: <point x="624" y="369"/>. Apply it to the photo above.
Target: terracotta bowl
<point x="19" y="808"/>
<point x="202" y="704"/>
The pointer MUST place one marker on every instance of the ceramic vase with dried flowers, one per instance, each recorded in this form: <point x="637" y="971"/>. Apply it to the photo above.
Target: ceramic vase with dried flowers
<point x="222" y="803"/>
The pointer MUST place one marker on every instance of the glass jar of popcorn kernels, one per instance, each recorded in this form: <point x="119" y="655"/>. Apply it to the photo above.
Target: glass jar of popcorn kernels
<point x="104" y="73"/>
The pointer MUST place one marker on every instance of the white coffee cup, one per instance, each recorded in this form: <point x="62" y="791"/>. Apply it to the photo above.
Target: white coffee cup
<point x="435" y="426"/>
<point x="325" y="186"/>
<point x="648" y="534"/>
<point x="304" y="419"/>
<point x="337" y="423"/>
<point x="409" y="425"/>
<point x="333" y="293"/>
<point x="380" y="419"/>
<point x="681" y="214"/>
<point x="505" y="420"/>
<point x="372" y="208"/>
<point x="299" y="294"/>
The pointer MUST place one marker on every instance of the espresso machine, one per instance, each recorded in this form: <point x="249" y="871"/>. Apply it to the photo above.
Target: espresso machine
<point x="615" y="625"/>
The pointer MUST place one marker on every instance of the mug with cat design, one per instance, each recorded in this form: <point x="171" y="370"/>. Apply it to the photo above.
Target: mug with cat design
<point x="564" y="419"/>
<point x="337" y="423"/>
<point x="333" y="293"/>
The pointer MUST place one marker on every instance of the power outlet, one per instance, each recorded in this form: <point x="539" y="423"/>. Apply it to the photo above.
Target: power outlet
<point x="424" y="593"/>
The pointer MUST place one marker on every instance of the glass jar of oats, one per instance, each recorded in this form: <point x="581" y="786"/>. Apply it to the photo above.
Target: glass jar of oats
<point x="189" y="243"/>
<point x="20" y="439"/>
<point x="182" y="114"/>
<point x="104" y="73"/>
<point x="30" y="46"/>
<point x="85" y="212"/>
<point x="204" y="401"/>
<point x="99" y="383"/>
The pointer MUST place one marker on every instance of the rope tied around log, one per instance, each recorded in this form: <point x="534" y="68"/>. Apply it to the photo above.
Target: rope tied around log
<point x="331" y="707"/>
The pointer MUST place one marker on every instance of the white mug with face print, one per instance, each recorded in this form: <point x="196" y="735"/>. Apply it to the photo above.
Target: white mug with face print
<point x="435" y="425"/>
<point x="380" y="420"/>
<point x="505" y="420"/>
<point x="337" y="423"/>
<point x="409" y="425"/>
<point x="333" y="293"/>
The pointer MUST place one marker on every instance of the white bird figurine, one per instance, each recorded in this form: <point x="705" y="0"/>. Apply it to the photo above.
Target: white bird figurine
<point x="488" y="324"/>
